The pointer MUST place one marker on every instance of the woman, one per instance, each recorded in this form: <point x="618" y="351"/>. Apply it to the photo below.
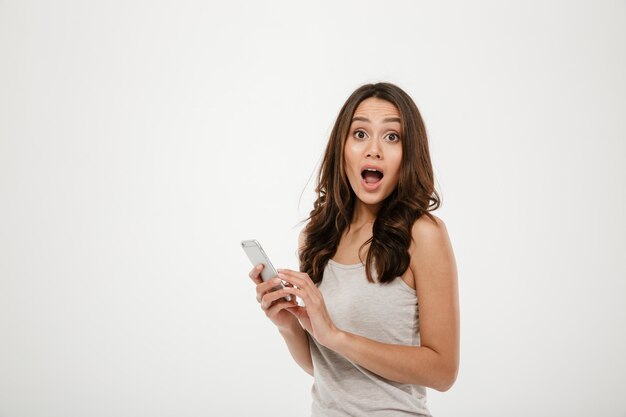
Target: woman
<point x="370" y="255"/>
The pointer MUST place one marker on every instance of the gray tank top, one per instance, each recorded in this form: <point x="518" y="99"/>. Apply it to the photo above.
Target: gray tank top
<point x="383" y="312"/>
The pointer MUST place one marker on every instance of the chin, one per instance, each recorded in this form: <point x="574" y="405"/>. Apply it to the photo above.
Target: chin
<point x="370" y="200"/>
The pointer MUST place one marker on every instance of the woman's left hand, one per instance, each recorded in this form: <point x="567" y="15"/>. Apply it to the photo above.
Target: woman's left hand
<point x="313" y="316"/>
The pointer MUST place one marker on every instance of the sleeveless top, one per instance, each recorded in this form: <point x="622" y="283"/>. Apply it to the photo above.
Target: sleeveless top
<point x="386" y="313"/>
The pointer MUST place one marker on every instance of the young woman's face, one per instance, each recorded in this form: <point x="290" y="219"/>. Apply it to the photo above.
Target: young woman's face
<point x="373" y="150"/>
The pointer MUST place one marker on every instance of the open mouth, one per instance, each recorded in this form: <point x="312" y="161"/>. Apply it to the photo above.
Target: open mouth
<point x="371" y="176"/>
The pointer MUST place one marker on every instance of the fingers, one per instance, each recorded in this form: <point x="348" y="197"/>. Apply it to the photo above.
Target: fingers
<point x="277" y="306"/>
<point x="296" y="292"/>
<point x="265" y="287"/>
<point x="255" y="273"/>
<point x="299" y="279"/>
<point x="268" y="298"/>
<point x="265" y="293"/>
<point x="311" y="296"/>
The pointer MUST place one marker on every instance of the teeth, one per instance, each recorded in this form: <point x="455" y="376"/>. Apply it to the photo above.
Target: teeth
<point x="370" y="170"/>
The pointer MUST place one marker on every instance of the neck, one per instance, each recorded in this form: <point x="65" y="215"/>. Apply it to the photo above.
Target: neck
<point x="364" y="214"/>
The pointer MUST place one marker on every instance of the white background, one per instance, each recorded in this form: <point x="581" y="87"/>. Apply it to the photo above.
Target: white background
<point x="140" y="141"/>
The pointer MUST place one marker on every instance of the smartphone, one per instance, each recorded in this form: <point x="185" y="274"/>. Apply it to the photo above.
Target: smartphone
<point x="257" y="255"/>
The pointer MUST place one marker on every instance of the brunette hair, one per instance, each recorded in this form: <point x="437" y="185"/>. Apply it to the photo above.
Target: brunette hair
<point x="413" y="196"/>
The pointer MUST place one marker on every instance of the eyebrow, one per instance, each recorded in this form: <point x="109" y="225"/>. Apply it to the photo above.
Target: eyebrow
<point x="385" y="120"/>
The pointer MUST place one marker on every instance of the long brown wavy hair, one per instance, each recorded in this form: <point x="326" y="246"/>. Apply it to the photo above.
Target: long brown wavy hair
<point x="413" y="196"/>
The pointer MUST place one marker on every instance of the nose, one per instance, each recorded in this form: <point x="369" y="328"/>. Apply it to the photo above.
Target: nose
<point x="373" y="151"/>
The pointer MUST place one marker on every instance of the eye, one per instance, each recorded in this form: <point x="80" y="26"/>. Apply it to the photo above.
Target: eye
<point x="393" y="137"/>
<point x="360" y="134"/>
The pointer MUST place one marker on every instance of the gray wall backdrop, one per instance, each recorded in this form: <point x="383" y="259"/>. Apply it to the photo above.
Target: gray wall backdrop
<point x="140" y="141"/>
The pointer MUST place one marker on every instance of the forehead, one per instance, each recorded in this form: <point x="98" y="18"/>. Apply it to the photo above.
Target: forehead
<point x="375" y="107"/>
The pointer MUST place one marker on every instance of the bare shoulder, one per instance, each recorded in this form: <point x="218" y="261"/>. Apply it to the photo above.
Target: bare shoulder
<point x="430" y="247"/>
<point x="435" y="274"/>
<point x="427" y="229"/>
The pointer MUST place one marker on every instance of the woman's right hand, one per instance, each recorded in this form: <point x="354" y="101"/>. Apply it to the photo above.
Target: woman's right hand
<point x="272" y="302"/>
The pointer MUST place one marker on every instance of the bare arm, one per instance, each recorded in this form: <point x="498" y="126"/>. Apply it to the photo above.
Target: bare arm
<point x="296" y="337"/>
<point x="298" y="345"/>
<point x="281" y="313"/>
<point x="435" y="362"/>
